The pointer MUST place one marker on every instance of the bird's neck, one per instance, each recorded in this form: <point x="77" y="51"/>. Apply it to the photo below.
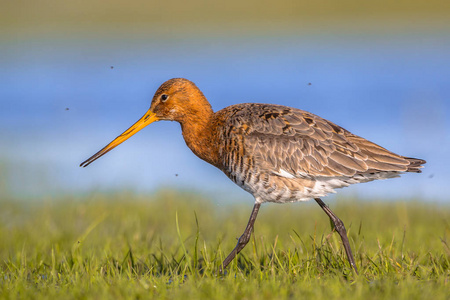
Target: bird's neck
<point x="200" y="135"/>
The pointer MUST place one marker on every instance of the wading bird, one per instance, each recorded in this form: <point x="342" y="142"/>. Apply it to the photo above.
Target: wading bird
<point x="277" y="153"/>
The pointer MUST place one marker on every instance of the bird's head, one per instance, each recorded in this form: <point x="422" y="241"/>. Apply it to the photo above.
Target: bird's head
<point x="175" y="100"/>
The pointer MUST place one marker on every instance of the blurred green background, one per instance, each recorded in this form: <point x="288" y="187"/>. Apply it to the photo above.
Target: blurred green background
<point x="75" y="74"/>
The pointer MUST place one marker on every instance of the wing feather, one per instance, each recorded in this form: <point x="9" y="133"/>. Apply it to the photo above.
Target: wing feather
<point x="284" y="139"/>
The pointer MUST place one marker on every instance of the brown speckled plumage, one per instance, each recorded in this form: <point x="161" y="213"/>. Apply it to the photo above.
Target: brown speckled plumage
<point x="263" y="142"/>
<point x="277" y="153"/>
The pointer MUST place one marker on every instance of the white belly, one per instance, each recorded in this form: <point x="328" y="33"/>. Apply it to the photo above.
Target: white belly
<point x="284" y="187"/>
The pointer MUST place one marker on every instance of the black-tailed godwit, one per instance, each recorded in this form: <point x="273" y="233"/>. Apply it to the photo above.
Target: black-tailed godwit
<point x="277" y="153"/>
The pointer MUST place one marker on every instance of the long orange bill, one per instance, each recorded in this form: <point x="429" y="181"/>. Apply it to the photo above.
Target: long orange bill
<point x="147" y="119"/>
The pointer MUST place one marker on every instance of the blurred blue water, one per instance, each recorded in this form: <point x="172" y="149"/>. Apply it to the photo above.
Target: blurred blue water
<point x="64" y="99"/>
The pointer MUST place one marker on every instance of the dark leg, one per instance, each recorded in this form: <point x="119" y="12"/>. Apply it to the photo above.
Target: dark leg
<point x="243" y="240"/>
<point x="340" y="228"/>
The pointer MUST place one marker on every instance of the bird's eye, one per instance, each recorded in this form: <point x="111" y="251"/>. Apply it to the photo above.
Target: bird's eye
<point x="164" y="97"/>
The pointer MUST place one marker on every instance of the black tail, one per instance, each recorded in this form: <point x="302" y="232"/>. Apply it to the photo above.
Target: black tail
<point x="415" y="164"/>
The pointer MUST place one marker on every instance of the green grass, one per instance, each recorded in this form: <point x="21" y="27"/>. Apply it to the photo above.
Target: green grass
<point x="170" y="245"/>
